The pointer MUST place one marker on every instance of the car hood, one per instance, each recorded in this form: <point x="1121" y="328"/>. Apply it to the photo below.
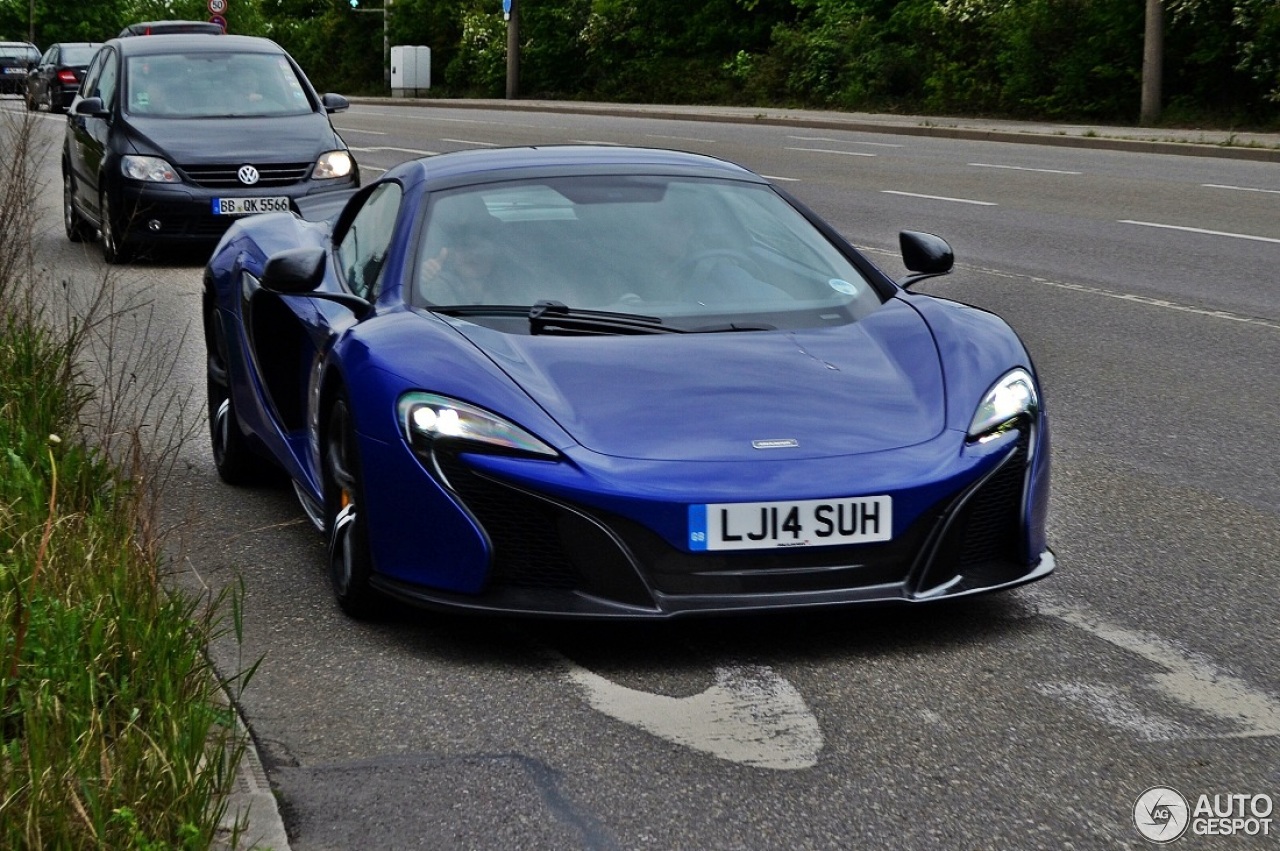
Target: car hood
<point x="871" y="386"/>
<point x="196" y="141"/>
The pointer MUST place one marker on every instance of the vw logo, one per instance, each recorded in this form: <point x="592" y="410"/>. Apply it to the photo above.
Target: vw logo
<point x="248" y="175"/>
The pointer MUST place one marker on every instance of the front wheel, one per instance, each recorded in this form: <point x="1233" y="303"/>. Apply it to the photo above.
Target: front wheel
<point x="350" y="565"/>
<point x="77" y="228"/>
<point x="115" y="249"/>
<point x="235" y="461"/>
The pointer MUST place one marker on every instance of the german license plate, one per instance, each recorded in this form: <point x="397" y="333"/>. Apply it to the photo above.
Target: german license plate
<point x="15" y="70"/>
<point x="249" y="206"/>
<point x="806" y="523"/>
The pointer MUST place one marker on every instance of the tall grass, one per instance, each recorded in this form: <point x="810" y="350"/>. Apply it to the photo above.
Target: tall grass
<point x="112" y="731"/>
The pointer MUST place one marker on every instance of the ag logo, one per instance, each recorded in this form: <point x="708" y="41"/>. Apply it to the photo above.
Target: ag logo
<point x="248" y="175"/>
<point x="1161" y="814"/>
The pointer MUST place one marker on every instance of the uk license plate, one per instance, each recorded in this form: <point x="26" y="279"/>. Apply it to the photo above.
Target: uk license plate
<point x="805" y="523"/>
<point x="249" y="206"/>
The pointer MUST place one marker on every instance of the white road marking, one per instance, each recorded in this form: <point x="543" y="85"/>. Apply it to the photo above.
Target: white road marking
<point x="358" y="130"/>
<point x="1186" y="678"/>
<point x="1240" y="188"/>
<point x="941" y="198"/>
<point x="473" y="142"/>
<point x="751" y="716"/>
<point x="1113" y="707"/>
<point x="593" y="142"/>
<point x="783" y="179"/>
<point x="832" y="151"/>
<point x="1200" y="230"/>
<point x="1024" y="168"/>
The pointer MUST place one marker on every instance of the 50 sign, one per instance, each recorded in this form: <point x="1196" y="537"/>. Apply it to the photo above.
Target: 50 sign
<point x="217" y="7"/>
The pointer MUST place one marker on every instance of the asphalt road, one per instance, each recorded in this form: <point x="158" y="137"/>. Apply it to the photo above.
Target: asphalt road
<point x="1146" y="287"/>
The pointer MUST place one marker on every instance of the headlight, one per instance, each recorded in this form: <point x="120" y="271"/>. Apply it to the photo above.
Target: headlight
<point x="1011" y="398"/>
<point x="152" y="169"/>
<point x="426" y="417"/>
<point x="333" y="164"/>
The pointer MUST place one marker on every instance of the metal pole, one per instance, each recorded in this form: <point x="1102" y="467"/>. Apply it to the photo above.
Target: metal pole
<point x="513" y="51"/>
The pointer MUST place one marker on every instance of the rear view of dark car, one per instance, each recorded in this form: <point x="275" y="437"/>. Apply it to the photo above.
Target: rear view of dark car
<point x="54" y="82"/>
<point x="17" y="58"/>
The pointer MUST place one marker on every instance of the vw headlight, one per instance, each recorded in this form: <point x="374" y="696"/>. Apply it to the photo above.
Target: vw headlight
<point x="332" y="164"/>
<point x="426" y="417"/>
<point x="151" y="169"/>
<point x="1012" y="398"/>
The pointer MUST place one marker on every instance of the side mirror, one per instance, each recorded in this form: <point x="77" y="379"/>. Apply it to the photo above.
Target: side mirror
<point x="334" y="103"/>
<point x="300" y="271"/>
<point x="91" y="106"/>
<point x="924" y="254"/>
<point x="295" y="271"/>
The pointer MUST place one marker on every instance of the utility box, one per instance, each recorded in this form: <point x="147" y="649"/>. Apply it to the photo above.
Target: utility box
<point x="410" y="70"/>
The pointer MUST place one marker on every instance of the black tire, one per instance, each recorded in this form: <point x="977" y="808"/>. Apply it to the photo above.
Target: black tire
<point x="350" y="565"/>
<point x="115" y="246"/>
<point x="77" y="228"/>
<point x="236" y="462"/>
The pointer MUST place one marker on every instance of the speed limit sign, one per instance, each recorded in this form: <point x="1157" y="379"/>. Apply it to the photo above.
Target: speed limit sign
<point x="217" y="7"/>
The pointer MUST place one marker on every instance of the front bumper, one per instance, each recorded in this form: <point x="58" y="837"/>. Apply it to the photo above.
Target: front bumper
<point x="553" y="556"/>
<point x="175" y="213"/>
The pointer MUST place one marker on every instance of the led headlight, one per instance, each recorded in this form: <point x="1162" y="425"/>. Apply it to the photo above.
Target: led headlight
<point x="151" y="169"/>
<point x="1010" y="399"/>
<point x="332" y="164"/>
<point x="426" y="417"/>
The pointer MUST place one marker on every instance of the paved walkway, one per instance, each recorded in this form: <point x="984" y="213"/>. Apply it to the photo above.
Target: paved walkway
<point x="252" y="798"/>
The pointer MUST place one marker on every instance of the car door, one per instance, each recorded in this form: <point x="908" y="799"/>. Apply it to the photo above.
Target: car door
<point x="38" y="86"/>
<point x="290" y="336"/>
<point x="88" y="134"/>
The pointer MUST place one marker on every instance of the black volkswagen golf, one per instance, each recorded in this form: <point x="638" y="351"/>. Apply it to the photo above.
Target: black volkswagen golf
<point x="170" y="139"/>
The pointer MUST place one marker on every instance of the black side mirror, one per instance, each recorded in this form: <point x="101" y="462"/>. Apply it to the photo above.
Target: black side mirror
<point x="924" y="254"/>
<point x="300" y="271"/>
<point x="91" y="106"/>
<point x="334" y="103"/>
<point x="295" y="271"/>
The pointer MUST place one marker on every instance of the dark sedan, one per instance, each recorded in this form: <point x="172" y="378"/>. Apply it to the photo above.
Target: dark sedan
<point x="54" y="82"/>
<point x="17" y="58"/>
<point x="171" y="139"/>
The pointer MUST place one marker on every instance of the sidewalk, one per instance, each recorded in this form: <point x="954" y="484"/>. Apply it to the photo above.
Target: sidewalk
<point x="252" y="797"/>
<point x="1183" y="141"/>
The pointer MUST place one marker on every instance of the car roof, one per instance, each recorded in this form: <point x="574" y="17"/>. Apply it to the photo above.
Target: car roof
<point x="195" y="43"/>
<point x="459" y="168"/>
<point x="76" y="44"/>
<point x="17" y="44"/>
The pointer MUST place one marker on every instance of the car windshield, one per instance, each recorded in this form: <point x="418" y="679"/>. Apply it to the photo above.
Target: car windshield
<point x="78" y="54"/>
<point x="690" y="253"/>
<point x="19" y="54"/>
<point x="213" y="85"/>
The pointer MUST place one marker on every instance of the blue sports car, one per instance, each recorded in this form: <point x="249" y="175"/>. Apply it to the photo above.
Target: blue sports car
<point x="619" y="383"/>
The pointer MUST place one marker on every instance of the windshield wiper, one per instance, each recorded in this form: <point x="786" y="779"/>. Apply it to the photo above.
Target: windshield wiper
<point x="734" y="326"/>
<point x="556" y="317"/>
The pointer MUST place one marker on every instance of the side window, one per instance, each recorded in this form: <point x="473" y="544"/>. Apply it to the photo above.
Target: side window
<point x="50" y="56"/>
<point x="92" y="73"/>
<point x="363" y="250"/>
<point x="107" y="83"/>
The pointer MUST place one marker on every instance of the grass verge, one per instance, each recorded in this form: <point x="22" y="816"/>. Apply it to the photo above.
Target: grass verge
<point x="112" y="733"/>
